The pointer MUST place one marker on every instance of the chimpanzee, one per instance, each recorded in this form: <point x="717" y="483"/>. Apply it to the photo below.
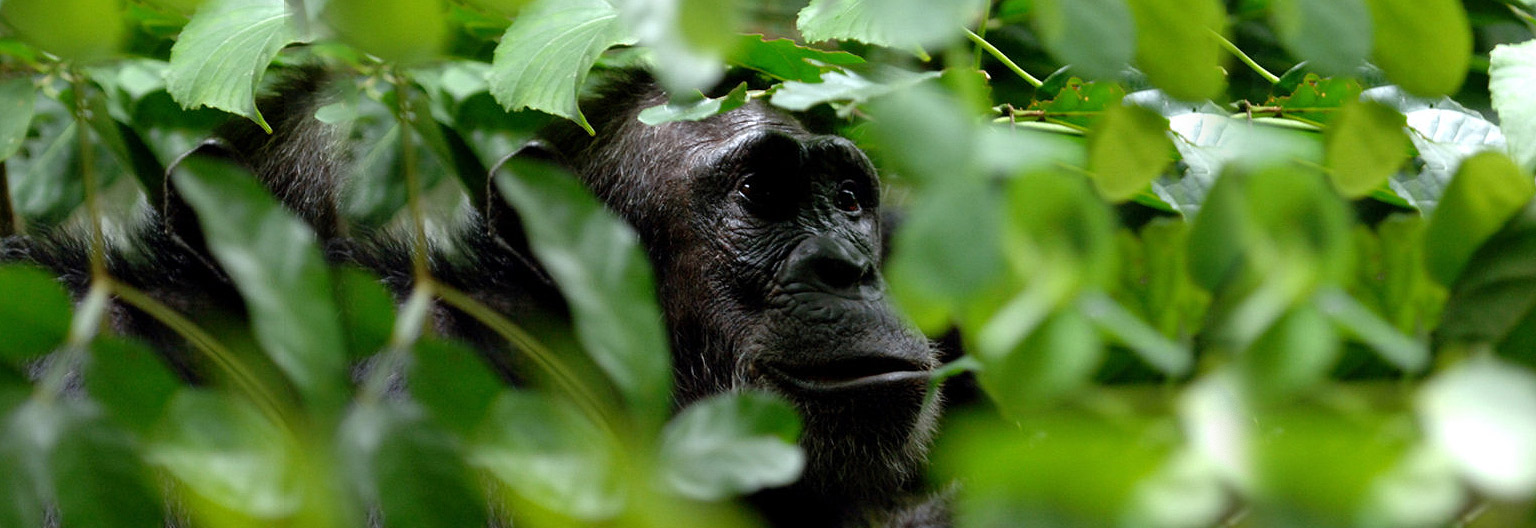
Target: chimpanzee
<point x="766" y="243"/>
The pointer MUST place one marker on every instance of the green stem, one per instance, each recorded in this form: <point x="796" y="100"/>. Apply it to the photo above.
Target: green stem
<point x="419" y="265"/>
<point x="998" y="54"/>
<point x="1232" y="48"/>
<point x="98" y="242"/>
<point x="222" y="357"/>
<point x="981" y="33"/>
<point x="542" y="356"/>
<point x="8" y="221"/>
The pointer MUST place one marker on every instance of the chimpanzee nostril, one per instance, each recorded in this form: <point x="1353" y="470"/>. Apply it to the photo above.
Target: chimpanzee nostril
<point x="830" y="263"/>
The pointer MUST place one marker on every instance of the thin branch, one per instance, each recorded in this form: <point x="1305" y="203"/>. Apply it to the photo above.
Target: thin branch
<point x="998" y="54"/>
<point x="1232" y="48"/>
<point x="7" y="213"/>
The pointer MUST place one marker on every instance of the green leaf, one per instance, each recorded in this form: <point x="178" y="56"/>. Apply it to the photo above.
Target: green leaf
<point x="274" y="262"/>
<point x="1096" y="37"/>
<point x="1293" y="354"/>
<point x="1402" y="351"/>
<point x="72" y="454"/>
<point x="1495" y="295"/>
<point x="1333" y="36"/>
<point x="128" y="379"/>
<point x="367" y="311"/>
<point x="785" y="60"/>
<point x="221" y="55"/>
<point x="1482" y="413"/>
<point x="257" y="475"/>
<point x="1175" y="48"/>
<point x="1321" y="468"/>
<point x="45" y="178"/>
<point x="1443" y="139"/>
<point x="925" y="135"/>
<point x="453" y="383"/>
<point x="694" y="111"/>
<point x="1511" y="72"/>
<point x="846" y="86"/>
<point x="34" y="327"/>
<point x="544" y="57"/>
<point x="1488" y="189"/>
<point x="79" y="30"/>
<point x="1365" y="145"/>
<point x="1423" y="45"/>
<point x="398" y="31"/>
<point x="946" y="254"/>
<point x="686" y="39"/>
<point x="904" y="24"/>
<point x="731" y="444"/>
<point x="1167" y="357"/>
<point x="599" y="266"/>
<point x="412" y="470"/>
<point x="17" y="97"/>
<point x="1054" y="358"/>
<point x="1127" y="149"/>
<point x="549" y="454"/>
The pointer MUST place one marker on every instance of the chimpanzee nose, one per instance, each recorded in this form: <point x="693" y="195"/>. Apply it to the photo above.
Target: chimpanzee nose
<point x="831" y="264"/>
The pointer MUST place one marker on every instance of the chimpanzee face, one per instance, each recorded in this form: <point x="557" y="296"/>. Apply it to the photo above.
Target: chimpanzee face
<point x="766" y="243"/>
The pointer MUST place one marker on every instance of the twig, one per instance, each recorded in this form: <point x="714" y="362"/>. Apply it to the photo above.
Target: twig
<point x="1244" y="57"/>
<point x="998" y="54"/>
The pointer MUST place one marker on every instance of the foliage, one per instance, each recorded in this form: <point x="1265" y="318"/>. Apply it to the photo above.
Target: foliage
<point x="1192" y="292"/>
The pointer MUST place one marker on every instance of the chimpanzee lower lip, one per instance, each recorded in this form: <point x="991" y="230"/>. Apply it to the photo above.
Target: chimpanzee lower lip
<point x="820" y="384"/>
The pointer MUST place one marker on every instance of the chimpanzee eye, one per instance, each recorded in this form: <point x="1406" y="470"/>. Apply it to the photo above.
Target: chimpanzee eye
<point x="847" y="197"/>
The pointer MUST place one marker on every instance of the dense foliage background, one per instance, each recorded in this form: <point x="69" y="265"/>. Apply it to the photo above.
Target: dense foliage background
<point x="1249" y="263"/>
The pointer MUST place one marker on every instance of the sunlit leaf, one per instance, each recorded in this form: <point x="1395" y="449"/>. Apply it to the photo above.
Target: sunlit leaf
<point x="550" y="455"/>
<point x="1293" y="355"/>
<point x="400" y="31"/>
<point x="1482" y="413"/>
<point x="1054" y="358"/>
<point x="279" y="271"/>
<point x="1443" y="138"/>
<point x="731" y="444"/>
<point x="1333" y="36"/>
<point x="1423" y="45"/>
<point x="597" y="262"/>
<point x="1365" y="145"/>
<point x="1488" y="189"/>
<point x="543" y="58"/>
<point x="256" y="474"/>
<point x="36" y="326"/>
<point x="221" y="55"/>
<point x="1511" y="71"/>
<point x="1320" y="468"/>
<point x="1175" y="47"/>
<point x="946" y="254"/>
<point x="82" y="30"/>
<point x="694" y="111"/>
<point x="845" y="86"/>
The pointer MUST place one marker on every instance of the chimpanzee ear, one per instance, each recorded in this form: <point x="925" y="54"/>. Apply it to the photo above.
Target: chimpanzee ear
<point x="175" y="217"/>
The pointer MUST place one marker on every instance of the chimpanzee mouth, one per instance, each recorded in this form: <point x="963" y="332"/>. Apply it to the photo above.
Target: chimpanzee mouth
<point x="860" y="373"/>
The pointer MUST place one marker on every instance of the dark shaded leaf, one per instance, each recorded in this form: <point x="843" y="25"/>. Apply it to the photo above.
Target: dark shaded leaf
<point x="37" y="325"/>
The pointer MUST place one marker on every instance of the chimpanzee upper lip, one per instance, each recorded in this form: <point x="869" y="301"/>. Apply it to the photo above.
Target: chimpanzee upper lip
<point x="848" y="374"/>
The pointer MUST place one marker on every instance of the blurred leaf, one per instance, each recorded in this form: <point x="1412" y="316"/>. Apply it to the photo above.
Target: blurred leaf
<point x="73" y="455"/>
<point x="1333" y="36"/>
<point x="274" y="262"/>
<point x="1482" y="413"/>
<point x="34" y="327"/>
<point x="1096" y="37"/>
<point x="686" y="38"/>
<point x="846" y="86"/>
<point x="946" y="254"/>
<point x="367" y="311"/>
<point x="1060" y="231"/>
<point x="1299" y="215"/>
<point x="220" y="57"/>
<point x="256" y="476"/>
<point x="1488" y="189"/>
<point x="1422" y="489"/>
<point x="128" y="379"/>
<point x="127" y="149"/>
<point x="1511" y="71"/>
<point x="1175" y="48"/>
<point x="1216" y="238"/>
<point x="1423" y="45"/>
<point x="398" y="31"/>
<point x="1053" y="358"/>
<point x="1443" y="139"/>
<point x="1168" y="358"/>
<point x="904" y="24"/>
<point x="598" y="264"/>
<point x="1365" y="145"/>
<point x="544" y="57"/>
<point x="926" y="134"/>
<point x="45" y="178"/>
<point x="1402" y="351"/>
<point x="17" y="96"/>
<point x="1316" y="98"/>
<point x="1492" y="301"/>
<point x="549" y="454"/>
<point x="453" y="383"/>
<point x="1318" y="468"/>
<point x="731" y="444"/>
<point x="1294" y="354"/>
<point x="1127" y="149"/>
<point x="77" y="30"/>
<point x="412" y="470"/>
<point x="785" y="60"/>
<point x="696" y="110"/>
